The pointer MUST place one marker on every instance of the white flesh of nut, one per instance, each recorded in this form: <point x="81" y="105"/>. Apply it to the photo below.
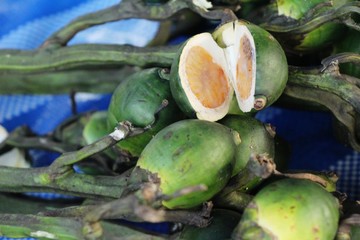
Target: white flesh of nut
<point x="231" y="38"/>
<point x="14" y="157"/>
<point x="227" y="57"/>
<point x="203" y="4"/>
<point x="206" y="41"/>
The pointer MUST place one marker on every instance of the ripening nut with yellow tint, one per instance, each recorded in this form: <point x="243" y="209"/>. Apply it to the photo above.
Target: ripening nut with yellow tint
<point x="238" y="60"/>
<point x="295" y="209"/>
<point x="190" y="153"/>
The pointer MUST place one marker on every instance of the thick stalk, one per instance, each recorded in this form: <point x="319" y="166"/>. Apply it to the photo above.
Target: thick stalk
<point x="127" y="9"/>
<point x="71" y="183"/>
<point x="60" y="177"/>
<point x="330" y="82"/>
<point x="349" y="228"/>
<point x="326" y="179"/>
<point x="113" y="231"/>
<point x="18" y="204"/>
<point x="63" y="82"/>
<point x="122" y="131"/>
<point x="258" y="168"/>
<point x="345" y="57"/>
<point x="339" y="93"/>
<point x="235" y="195"/>
<point x="84" y="56"/>
<point x="41" y="227"/>
<point x="341" y="14"/>
<point x="22" y="137"/>
<point x="145" y="205"/>
<point x="131" y="208"/>
<point x="22" y="226"/>
<point x="236" y="200"/>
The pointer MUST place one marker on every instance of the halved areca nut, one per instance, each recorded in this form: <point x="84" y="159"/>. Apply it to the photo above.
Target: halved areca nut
<point x="14" y="157"/>
<point x="258" y="63"/>
<point x="200" y="80"/>
<point x="238" y="57"/>
<point x="240" y="54"/>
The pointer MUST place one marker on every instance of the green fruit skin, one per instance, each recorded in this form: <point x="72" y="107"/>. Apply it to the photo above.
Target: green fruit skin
<point x="177" y="90"/>
<point x="188" y="153"/>
<point x="271" y="71"/>
<point x="321" y="37"/>
<point x="316" y="39"/>
<point x="290" y="209"/>
<point x="70" y="131"/>
<point x="272" y="66"/>
<point x="222" y="224"/>
<point x="96" y="127"/>
<point x="355" y="232"/>
<point x="296" y="9"/>
<point x="137" y="99"/>
<point x="350" y="43"/>
<point x="255" y="139"/>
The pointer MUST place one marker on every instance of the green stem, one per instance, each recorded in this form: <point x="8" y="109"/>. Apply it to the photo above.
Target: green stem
<point x="349" y="228"/>
<point x="60" y="82"/>
<point x="84" y="56"/>
<point x="236" y="200"/>
<point x="114" y="231"/>
<point x="346" y="57"/>
<point x="308" y="24"/>
<point x="60" y="177"/>
<point x="69" y="158"/>
<point x="328" y="81"/>
<point x="45" y="143"/>
<point x="123" y="130"/>
<point x="338" y="93"/>
<point x="145" y="205"/>
<point x="71" y="183"/>
<point x="326" y="179"/>
<point x="18" y="204"/>
<point x="126" y="9"/>
<point x="258" y="168"/>
<point x="22" y="226"/>
<point x="41" y="227"/>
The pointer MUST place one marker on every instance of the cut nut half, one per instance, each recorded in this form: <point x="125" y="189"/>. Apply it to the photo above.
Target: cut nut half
<point x="204" y="77"/>
<point x="238" y="57"/>
<point x="240" y="54"/>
